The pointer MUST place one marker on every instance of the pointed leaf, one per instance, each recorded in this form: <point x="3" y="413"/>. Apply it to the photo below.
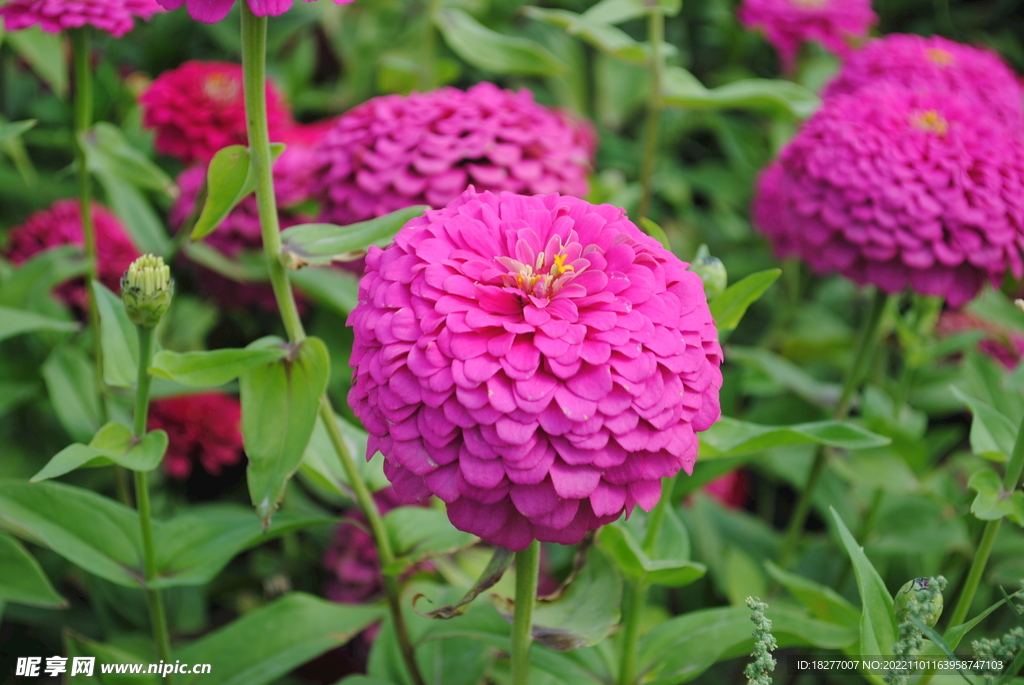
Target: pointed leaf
<point x="229" y="179"/>
<point x="108" y="151"/>
<point x="683" y="89"/>
<point x="729" y="307"/>
<point x="417" y="533"/>
<point x="320" y="462"/>
<point x="280" y="402"/>
<point x="15" y="128"/>
<point x="44" y="52"/>
<point x="322" y="244"/>
<point x="620" y="544"/>
<point x="731" y="437"/>
<point x="22" y="580"/>
<point x="492" y="51"/>
<point x="992" y="433"/>
<point x="822" y="601"/>
<point x="40" y="274"/>
<point x="618" y="11"/>
<point x="993" y="502"/>
<point x="76" y="645"/>
<point x="330" y="287"/>
<point x="70" y="379"/>
<point x="17" y="321"/>
<point x="209" y="369"/>
<point x="119" y="339"/>
<point x="496" y="567"/>
<point x="603" y="36"/>
<point x="135" y="211"/>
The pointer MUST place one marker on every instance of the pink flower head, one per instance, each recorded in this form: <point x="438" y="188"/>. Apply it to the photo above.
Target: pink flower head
<point x="393" y="151"/>
<point x="899" y="188"/>
<point x="204" y="428"/>
<point x="537" y="363"/>
<point x="61" y="224"/>
<point x="729" y="489"/>
<point x="212" y="11"/>
<point x="1002" y="344"/>
<point x="935" y="63"/>
<point x="116" y="17"/>
<point x="787" y="24"/>
<point x="199" y="108"/>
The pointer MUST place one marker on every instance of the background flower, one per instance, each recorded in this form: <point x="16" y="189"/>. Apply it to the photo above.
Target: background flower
<point x="897" y="188"/>
<point x="787" y="24"/>
<point x="935" y="63"/>
<point x="198" y="108"/>
<point x="1002" y="344"/>
<point x="116" y="17"/>
<point x="538" y="363"/>
<point x="212" y="11"/>
<point x="203" y="428"/>
<point x="61" y="224"/>
<point x="393" y="151"/>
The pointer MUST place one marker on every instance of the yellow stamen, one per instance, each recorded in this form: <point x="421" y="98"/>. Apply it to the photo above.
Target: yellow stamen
<point x="560" y="267"/>
<point x="931" y="121"/>
<point x="943" y="58"/>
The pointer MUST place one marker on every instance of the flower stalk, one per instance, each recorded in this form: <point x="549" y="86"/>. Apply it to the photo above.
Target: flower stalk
<point x="254" y="50"/>
<point x="527" y="572"/>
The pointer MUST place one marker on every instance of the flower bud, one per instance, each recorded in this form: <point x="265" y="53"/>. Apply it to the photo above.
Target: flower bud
<point x="924" y="592"/>
<point x="146" y="290"/>
<point x="712" y="271"/>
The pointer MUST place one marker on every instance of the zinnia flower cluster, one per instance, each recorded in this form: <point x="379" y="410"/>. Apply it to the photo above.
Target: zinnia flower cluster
<point x="203" y="428"/>
<point x="787" y="24"/>
<point x="199" y="108"/>
<point x="61" y="224"/>
<point x="116" y="17"/>
<point x="538" y="363"/>
<point x="392" y="152"/>
<point x="899" y="187"/>
<point x="212" y="11"/>
<point x="935" y="63"/>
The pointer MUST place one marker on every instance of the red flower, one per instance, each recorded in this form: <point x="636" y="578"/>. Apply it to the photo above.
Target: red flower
<point x="203" y="428"/>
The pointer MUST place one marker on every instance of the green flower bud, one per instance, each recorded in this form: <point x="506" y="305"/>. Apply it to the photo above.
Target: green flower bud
<point x="146" y="290"/>
<point x="925" y="595"/>
<point x="712" y="272"/>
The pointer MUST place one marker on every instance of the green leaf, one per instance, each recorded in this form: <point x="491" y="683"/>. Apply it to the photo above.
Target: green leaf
<point x="77" y="645"/>
<point x="682" y="89"/>
<point x="321" y="244"/>
<point x="320" y="462"/>
<point x="22" y="580"/>
<point x="265" y="644"/>
<point x="729" y="307"/>
<point x="330" y="287"/>
<point x="112" y="444"/>
<point x="618" y="11"/>
<point x="492" y="51"/>
<point x="620" y="544"/>
<point x="417" y="533"/>
<point x="135" y="212"/>
<point x="877" y="622"/>
<point x="992" y="434"/>
<point x="731" y="437"/>
<point x="70" y="380"/>
<point x="209" y="369"/>
<point x="280" y="402"/>
<point x="119" y="339"/>
<point x="495" y="569"/>
<point x="785" y="373"/>
<point x="993" y="502"/>
<point x="15" y="128"/>
<point x="655" y="231"/>
<point x="40" y="274"/>
<point x="44" y="52"/>
<point x="603" y="36"/>
<point x="229" y="179"/>
<point x="16" y="321"/>
<point x="108" y="151"/>
<point x="822" y="601"/>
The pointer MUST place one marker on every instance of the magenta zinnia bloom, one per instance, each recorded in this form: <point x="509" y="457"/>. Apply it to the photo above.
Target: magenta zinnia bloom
<point x="116" y="17"/>
<point x="61" y="224"/>
<point x="393" y="151"/>
<point x="537" y="363"/>
<point x="203" y="429"/>
<point x="787" y="24"/>
<point x="199" y="108"/>
<point x="900" y="188"/>
<point x="212" y="11"/>
<point x="935" y="63"/>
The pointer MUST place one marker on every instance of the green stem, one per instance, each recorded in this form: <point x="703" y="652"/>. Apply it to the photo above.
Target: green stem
<point x="254" y="50"/>
<point x="866" y="345"/>
<point x="636" y="594"/>
<point x="157" y="615"/>
<point x="656" y="35"/>
<point x="527" y="570"/>
<point x="428" y="47"/>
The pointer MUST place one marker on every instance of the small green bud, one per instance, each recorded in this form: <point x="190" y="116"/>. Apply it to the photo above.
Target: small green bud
<point x="712" y="272"/>
<point x="919" y="591"/>
<point x="146" y="290"/>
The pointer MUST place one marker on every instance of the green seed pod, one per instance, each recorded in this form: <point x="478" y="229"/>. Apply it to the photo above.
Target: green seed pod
<point x="921" y="592"/>
<point x="712" y="272"/>
<point x="146" y="290"/>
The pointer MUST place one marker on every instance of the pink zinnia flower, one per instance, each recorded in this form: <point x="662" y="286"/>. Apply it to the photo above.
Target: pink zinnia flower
<point x="900" y="188"/>
<point x="729" y="489"/>
<point x="61" y="224"/>
<point x="199" y="108"/>
<point x="1004" y="345"/>
<point x="352" y="559"/>
<point x="212" y="11"/>
<point x="116" y="17"/>
<point x="787" y="24"/>
<point x="203" y="428"/>
<point x="935" y="63"/>
<point x="393" y="151"/>
<point x="538" y="363"/>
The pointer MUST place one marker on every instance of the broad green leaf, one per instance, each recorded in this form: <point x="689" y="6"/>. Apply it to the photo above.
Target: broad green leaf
<point x="280" y="402"/>
<point x="40" y="274"/>
<point x="729" y="307"/>
<point x="15" y="128"/>
<point x="108" y="151"/>
<point x="209" y="369"/>
<point x="492" y="51"/>
<point x="495" y="569"/>
<point x="321" y="464"/>
<point x="244" y="267"/>
<point x="76" y="645"/>
<point x="742" y="576"/>
<point x="992" y="434"/>
<point x="321" y="244"/>
<point x="265" y="644"/>
<point x="993" y="502"/>
<point x="112" y="444"/>
<point x="44" y="52"/>
<point x="119" y="339"/>
<point x="14" y="394"/>
<point x="22" y="580"/>
<point x="330" y="287"/>
<point x="70" y="379"/>
<point x="621" y="545"/>
<point x="682" y="89"/>
<point x="603" y="36"/>
<point x="731" y="437"/>
<point x="229" y="179"/>
<point x="785" y="373"/>
<point x="994" y="306"/>
<point x="618" y="11"/>
<point x="822" y="601"/>
<point x="877" y="622"/>
<point x="135" y="211"/>
<point x="17" y="321"/>
<point x="417" y="533"/>
<point x="655" y="231"/>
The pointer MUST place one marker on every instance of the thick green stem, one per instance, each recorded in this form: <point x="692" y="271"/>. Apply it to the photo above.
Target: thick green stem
<point x="527" y="570"/>
<point x="656" y="35"/>
<point x="157" y="615"/>
<point x="632" y="611"/>
<point x="865" y="350"/>
<point x="254" y="50"/>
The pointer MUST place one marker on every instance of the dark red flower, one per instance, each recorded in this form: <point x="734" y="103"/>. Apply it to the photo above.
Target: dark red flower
<point x="202" y="428"/>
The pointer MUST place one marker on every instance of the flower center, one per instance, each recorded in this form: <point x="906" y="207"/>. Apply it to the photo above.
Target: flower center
<point x="810" y="4"/>
<point x="932" y="121"/>
<point x="543" y="278"/>
<point x="221" y="88"/>
<point x="943" y="58"/>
